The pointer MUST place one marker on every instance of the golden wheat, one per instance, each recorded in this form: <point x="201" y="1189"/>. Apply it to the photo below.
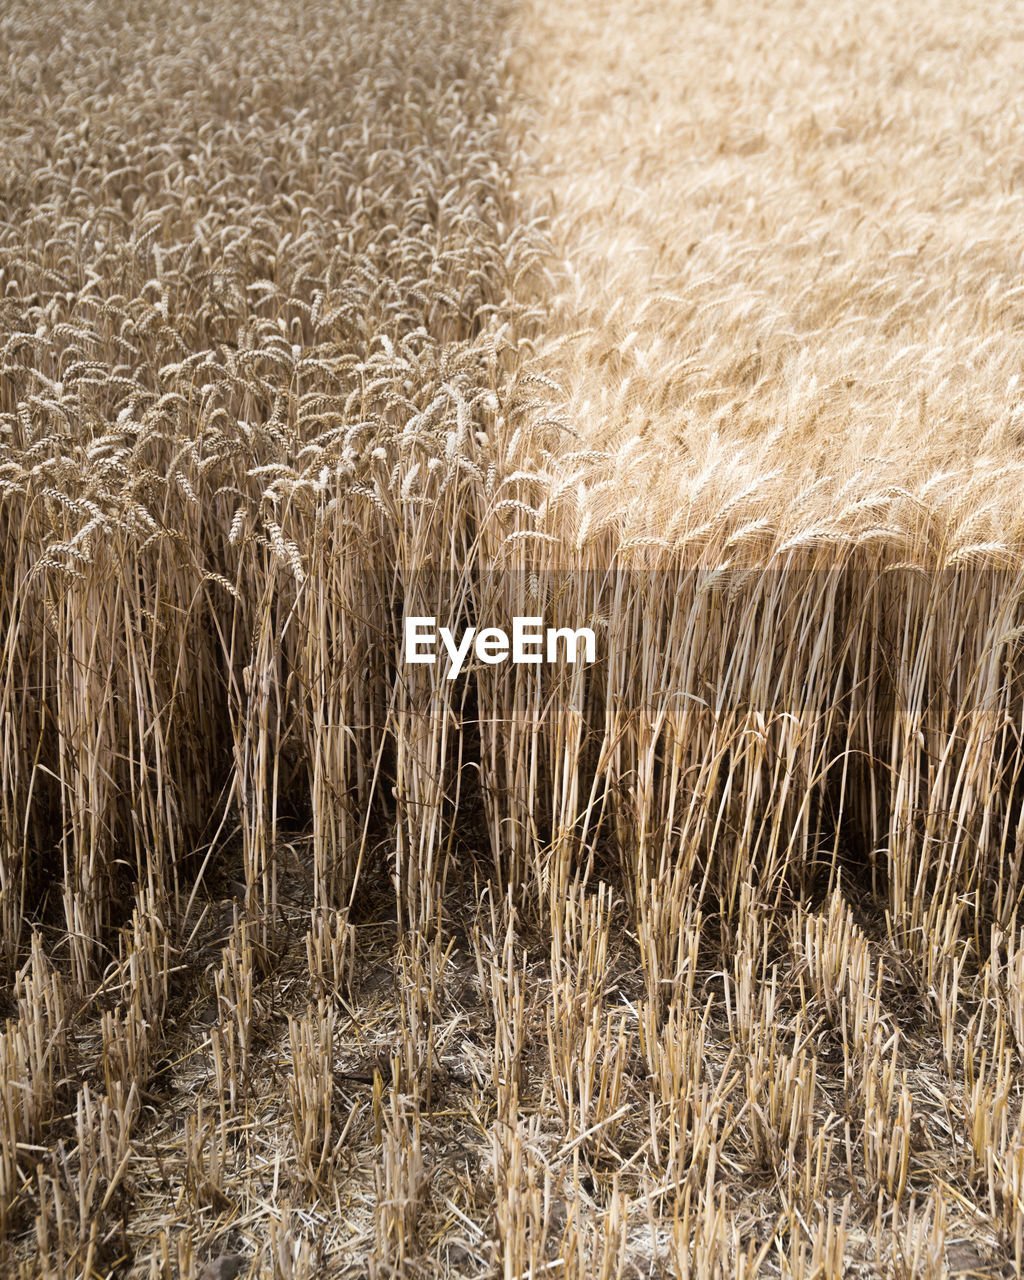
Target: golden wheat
<point x="697" y="328"/>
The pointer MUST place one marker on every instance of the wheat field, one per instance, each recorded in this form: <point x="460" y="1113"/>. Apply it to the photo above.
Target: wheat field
<point x="699" y="326"/>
